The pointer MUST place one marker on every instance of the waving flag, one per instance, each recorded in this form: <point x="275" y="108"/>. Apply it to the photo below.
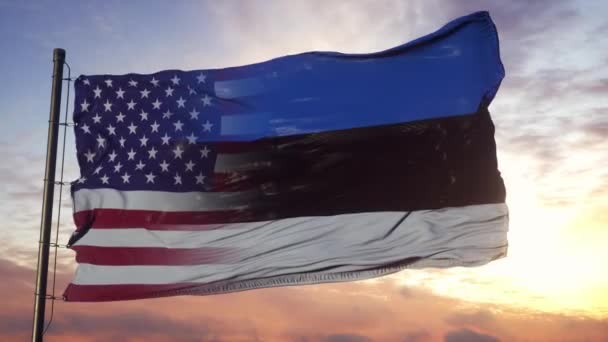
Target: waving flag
<point x="309" y="168"/>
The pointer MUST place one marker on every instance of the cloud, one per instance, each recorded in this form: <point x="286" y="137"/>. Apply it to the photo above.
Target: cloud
<point x="134" y="324"/>
<point x="417" y="336"/>
<point x="466" y="335"/>
<point x="355" y="311"/>
<point x="597" y="127"/>
<point x="346" y="338"/>
<point x="480" y="319"/>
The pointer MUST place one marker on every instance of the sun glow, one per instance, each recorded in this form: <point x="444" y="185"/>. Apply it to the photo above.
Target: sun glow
<point x="554" y="264"/>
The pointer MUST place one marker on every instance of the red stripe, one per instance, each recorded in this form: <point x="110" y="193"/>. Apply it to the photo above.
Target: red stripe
<point x="101" y="293"/>
<point x="159" y="220"/>
<point x="127" y="256"/>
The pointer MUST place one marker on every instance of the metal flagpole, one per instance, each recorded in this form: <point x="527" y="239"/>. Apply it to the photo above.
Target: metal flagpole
<point x="47" y="197"/>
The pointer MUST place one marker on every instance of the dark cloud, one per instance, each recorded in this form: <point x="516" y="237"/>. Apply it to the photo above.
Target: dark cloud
<point x="346" y="338"/>
<point x="132" y="324"/>
<point x="466" y="335"/>
<point x="417" y="336"/>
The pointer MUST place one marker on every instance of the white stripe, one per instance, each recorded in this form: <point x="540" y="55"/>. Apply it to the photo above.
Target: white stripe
<point x="460" y="236"/>
<point x="89" y="199"/>
<point x="142" y="237"/>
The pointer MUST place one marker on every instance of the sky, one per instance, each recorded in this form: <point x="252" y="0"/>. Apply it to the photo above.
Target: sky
<point x="551" y="116"/>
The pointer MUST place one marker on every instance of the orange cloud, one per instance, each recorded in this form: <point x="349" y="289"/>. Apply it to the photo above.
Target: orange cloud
<point x="357" y="311"/>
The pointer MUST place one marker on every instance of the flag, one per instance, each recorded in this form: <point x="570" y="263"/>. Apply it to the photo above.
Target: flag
<point x="309" y="168"/>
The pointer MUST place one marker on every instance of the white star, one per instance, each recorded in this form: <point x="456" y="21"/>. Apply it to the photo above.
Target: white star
<point x="140" y="165"/>
<point x="175" y="80"/>
<point x="84" y="106"/>
<point x="122" y="141"/>
<point x="104" y="179"/>
<point x="86" y="81"/>
<point x="108" y="83"/>
<point x="180" y="102"/>
<point x="111" y="129"/>
<point x="101" y="141"/>
<point x="194" y="114"/>
<point x="112" y="156"/>
<point x="132" y="83"/>
<point x="144" y="93"/>
<point x="206" y="100"/>
<point x="190" y="166"/>
<point x="120" y="94"/>
<point x="125" y="177"/>
<point x="120" y="117"/>
<point x="167" y="114"/>
<point x="156" y="104"/>
<point x="131" y="105"/>
<point x="90" y="155"/>
<point x="144" y="141"/>
<point x="165" y="139"/>
<point x="178" y="152"/>
<point x="164" y="166"/>
<point x="191" y="91"/>
<point x="131" y="154"/>
<point x="154" y="127"/>
<point x="132" y="128"/>
<point x="191" y="138"/>
<point x="178" y="179"/>
<point x="201" y="78"/>
<point x="97" y="92"/>
<point x="154" y="81"/>
<point x="169" y="91"/>
<point x="178" y="125"/>
<point x="97" y="169"/>
<point x="108" y="106"/>
<point x="85" y="128"/>
<point x="97" y="118"/>
<point x="205" y="152"/>
<point x="144" y="115"/>
<point x="150" y="178"/>
<point x="152" y="153"/>
<point x="117" y="167"/>
<point x="200" y="179"/>
<point x="207" y="126"/>
<point x="82" y="180"/>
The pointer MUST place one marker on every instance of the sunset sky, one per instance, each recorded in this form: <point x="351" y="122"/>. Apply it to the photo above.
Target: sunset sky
<point x="551" y="116"/>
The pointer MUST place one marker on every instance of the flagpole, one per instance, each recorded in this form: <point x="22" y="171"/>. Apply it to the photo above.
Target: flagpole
<point x="47" y="197"/>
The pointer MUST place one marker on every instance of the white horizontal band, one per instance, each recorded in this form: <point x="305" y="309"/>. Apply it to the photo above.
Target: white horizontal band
<point x="89" y="199"/>
<point x="452" y="236"/>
